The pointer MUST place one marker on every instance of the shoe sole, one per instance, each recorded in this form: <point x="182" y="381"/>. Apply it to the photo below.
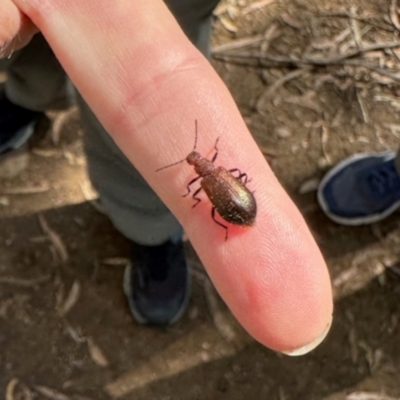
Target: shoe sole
<point x="20" y="138"/>
<point x="136" y="313"/>
<point x="370" y="219"/>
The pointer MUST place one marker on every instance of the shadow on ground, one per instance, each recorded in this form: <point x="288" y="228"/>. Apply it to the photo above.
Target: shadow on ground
<point x="191" y="360"/>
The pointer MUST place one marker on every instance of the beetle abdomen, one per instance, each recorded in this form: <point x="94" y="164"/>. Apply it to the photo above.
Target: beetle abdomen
<point x="231" y="198"/>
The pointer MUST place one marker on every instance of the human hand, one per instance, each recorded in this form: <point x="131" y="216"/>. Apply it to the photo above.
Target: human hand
<point x="16" y="30"/>
<point x="147" y="84"/>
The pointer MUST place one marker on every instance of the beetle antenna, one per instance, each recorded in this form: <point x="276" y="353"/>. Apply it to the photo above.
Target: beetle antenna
<point x="195" y="136"/>
<point x="181" y="161"/>
<point x="171" y="165"/>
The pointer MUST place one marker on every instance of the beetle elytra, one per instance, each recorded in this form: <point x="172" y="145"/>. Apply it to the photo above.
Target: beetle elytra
<point x="228" y="194"/>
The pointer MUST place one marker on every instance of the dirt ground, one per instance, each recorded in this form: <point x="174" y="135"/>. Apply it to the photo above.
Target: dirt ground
<point x="316" y="81"/>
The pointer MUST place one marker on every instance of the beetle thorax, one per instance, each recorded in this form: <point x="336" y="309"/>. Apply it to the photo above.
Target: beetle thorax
<point x="202" y="166"/>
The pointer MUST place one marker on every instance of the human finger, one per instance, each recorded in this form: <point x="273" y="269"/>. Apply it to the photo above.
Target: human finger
<point x="16" y="30"/>
<point x="147" y="84"/>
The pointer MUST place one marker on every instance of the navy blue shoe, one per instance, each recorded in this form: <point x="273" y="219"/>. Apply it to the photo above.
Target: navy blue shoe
<point x="157" y="284"/>
<point x="16" y="125"/>
<point x="362" y="189"/>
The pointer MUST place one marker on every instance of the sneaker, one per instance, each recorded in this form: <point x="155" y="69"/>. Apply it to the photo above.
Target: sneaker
<point x="16" y="124"/>
<point x="157" y="284"/>
<point x="362" y="189"/>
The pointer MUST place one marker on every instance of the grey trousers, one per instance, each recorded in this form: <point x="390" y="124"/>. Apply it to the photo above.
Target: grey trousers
<point x="35" y="80"/>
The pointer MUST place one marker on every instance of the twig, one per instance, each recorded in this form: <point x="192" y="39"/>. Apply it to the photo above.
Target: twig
<point x="11" y="388"/>
<point x="54" y="237"/>
<point x="46" y="152"/>
<point x="10" y="280"/>
<point x="269" y="35"/>
<point x="346" y="46"/>
<point x="96" y="354"/>
<point x="238" y="44"/>
<point x="369" y="396"/>
<point x="362" y="107"/>
<point x="59" y="122"/>
<point x="306" y="60"/>
<point x="288" y="77"/>
<point x="115" y="261"/>
<point x="394" y="129"/>
<point x="324" y="141"/>
<point x="358" y="18"/>
<point x="394" y="16"/>
<point x="257" y="6"/>
<point x="289" y="21"/>
<point x="71" y="299"/>
<point x="322" y="45"/>
<point x="27" y="189"/>
<point x="394" y="101"/>
<point x="354" y="28"/>
<point x="279" y="61"/>
<point x="381" y="71"/>
<point x="75" y="334"/>
<point x="228" y="24"/>
<point x="51" y="393"/>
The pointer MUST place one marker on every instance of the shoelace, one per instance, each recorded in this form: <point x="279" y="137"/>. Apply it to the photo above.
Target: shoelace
<point x="385" y="180"/>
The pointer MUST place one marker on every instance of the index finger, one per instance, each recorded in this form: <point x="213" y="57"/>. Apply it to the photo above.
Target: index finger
<point x="147" y="84"/>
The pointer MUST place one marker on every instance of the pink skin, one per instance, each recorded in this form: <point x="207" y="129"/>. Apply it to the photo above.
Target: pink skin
<point x="147" y="84"/>
<point x="16" y="30"/>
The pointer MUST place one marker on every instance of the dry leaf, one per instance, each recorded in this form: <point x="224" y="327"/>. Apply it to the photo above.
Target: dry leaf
<point x="11" y="388"/>
<point x="54" y="237"/>
<point x="228" y="24"/>
<point x="289" y="20"/>
<point x="368" y="396"/>
<point x="96" y="354"/>
<point x="59" y="122"/>
<point x="258" y="5"/>
<point x="47" y="153"/>
<point x="238" y="44"/>
<point x="10" y="280"/>
<point x="116" y="261"/>
<point x="309" y="185"/>
<point x="51" y="393"/>
<point x="71" y="299"/>
<point x="44" y="187"/>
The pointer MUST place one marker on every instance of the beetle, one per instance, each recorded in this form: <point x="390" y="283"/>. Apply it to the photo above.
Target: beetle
<point x="230" y="197"/>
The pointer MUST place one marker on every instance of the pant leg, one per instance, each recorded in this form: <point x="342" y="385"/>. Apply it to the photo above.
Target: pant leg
<point x="397" y="161"/>
<point x="37" y="81"/>
<point x="194" y="17"/>
<point x="131" y="204"/>
<point x="35" y="78"/>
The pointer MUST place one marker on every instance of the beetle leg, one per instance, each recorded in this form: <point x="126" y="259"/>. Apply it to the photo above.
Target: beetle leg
<point x="241" y="175"/>
<point x="219" y="223"/>
<point x="216" y="151"/>
<point x="196" y="198"/>
<point x="189" y="184"/>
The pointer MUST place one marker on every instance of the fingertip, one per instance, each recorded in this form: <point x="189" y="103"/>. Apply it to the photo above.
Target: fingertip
<point x="312" y="345"/>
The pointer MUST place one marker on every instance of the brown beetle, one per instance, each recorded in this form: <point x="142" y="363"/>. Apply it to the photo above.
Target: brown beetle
<point x="228" y="194"/>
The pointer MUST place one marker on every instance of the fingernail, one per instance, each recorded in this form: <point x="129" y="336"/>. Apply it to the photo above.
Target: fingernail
<point x="311" y="346"/>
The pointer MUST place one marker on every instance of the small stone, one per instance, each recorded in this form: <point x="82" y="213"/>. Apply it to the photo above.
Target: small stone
<point x="14" y="163"/>
<point x="283" y="132"/>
